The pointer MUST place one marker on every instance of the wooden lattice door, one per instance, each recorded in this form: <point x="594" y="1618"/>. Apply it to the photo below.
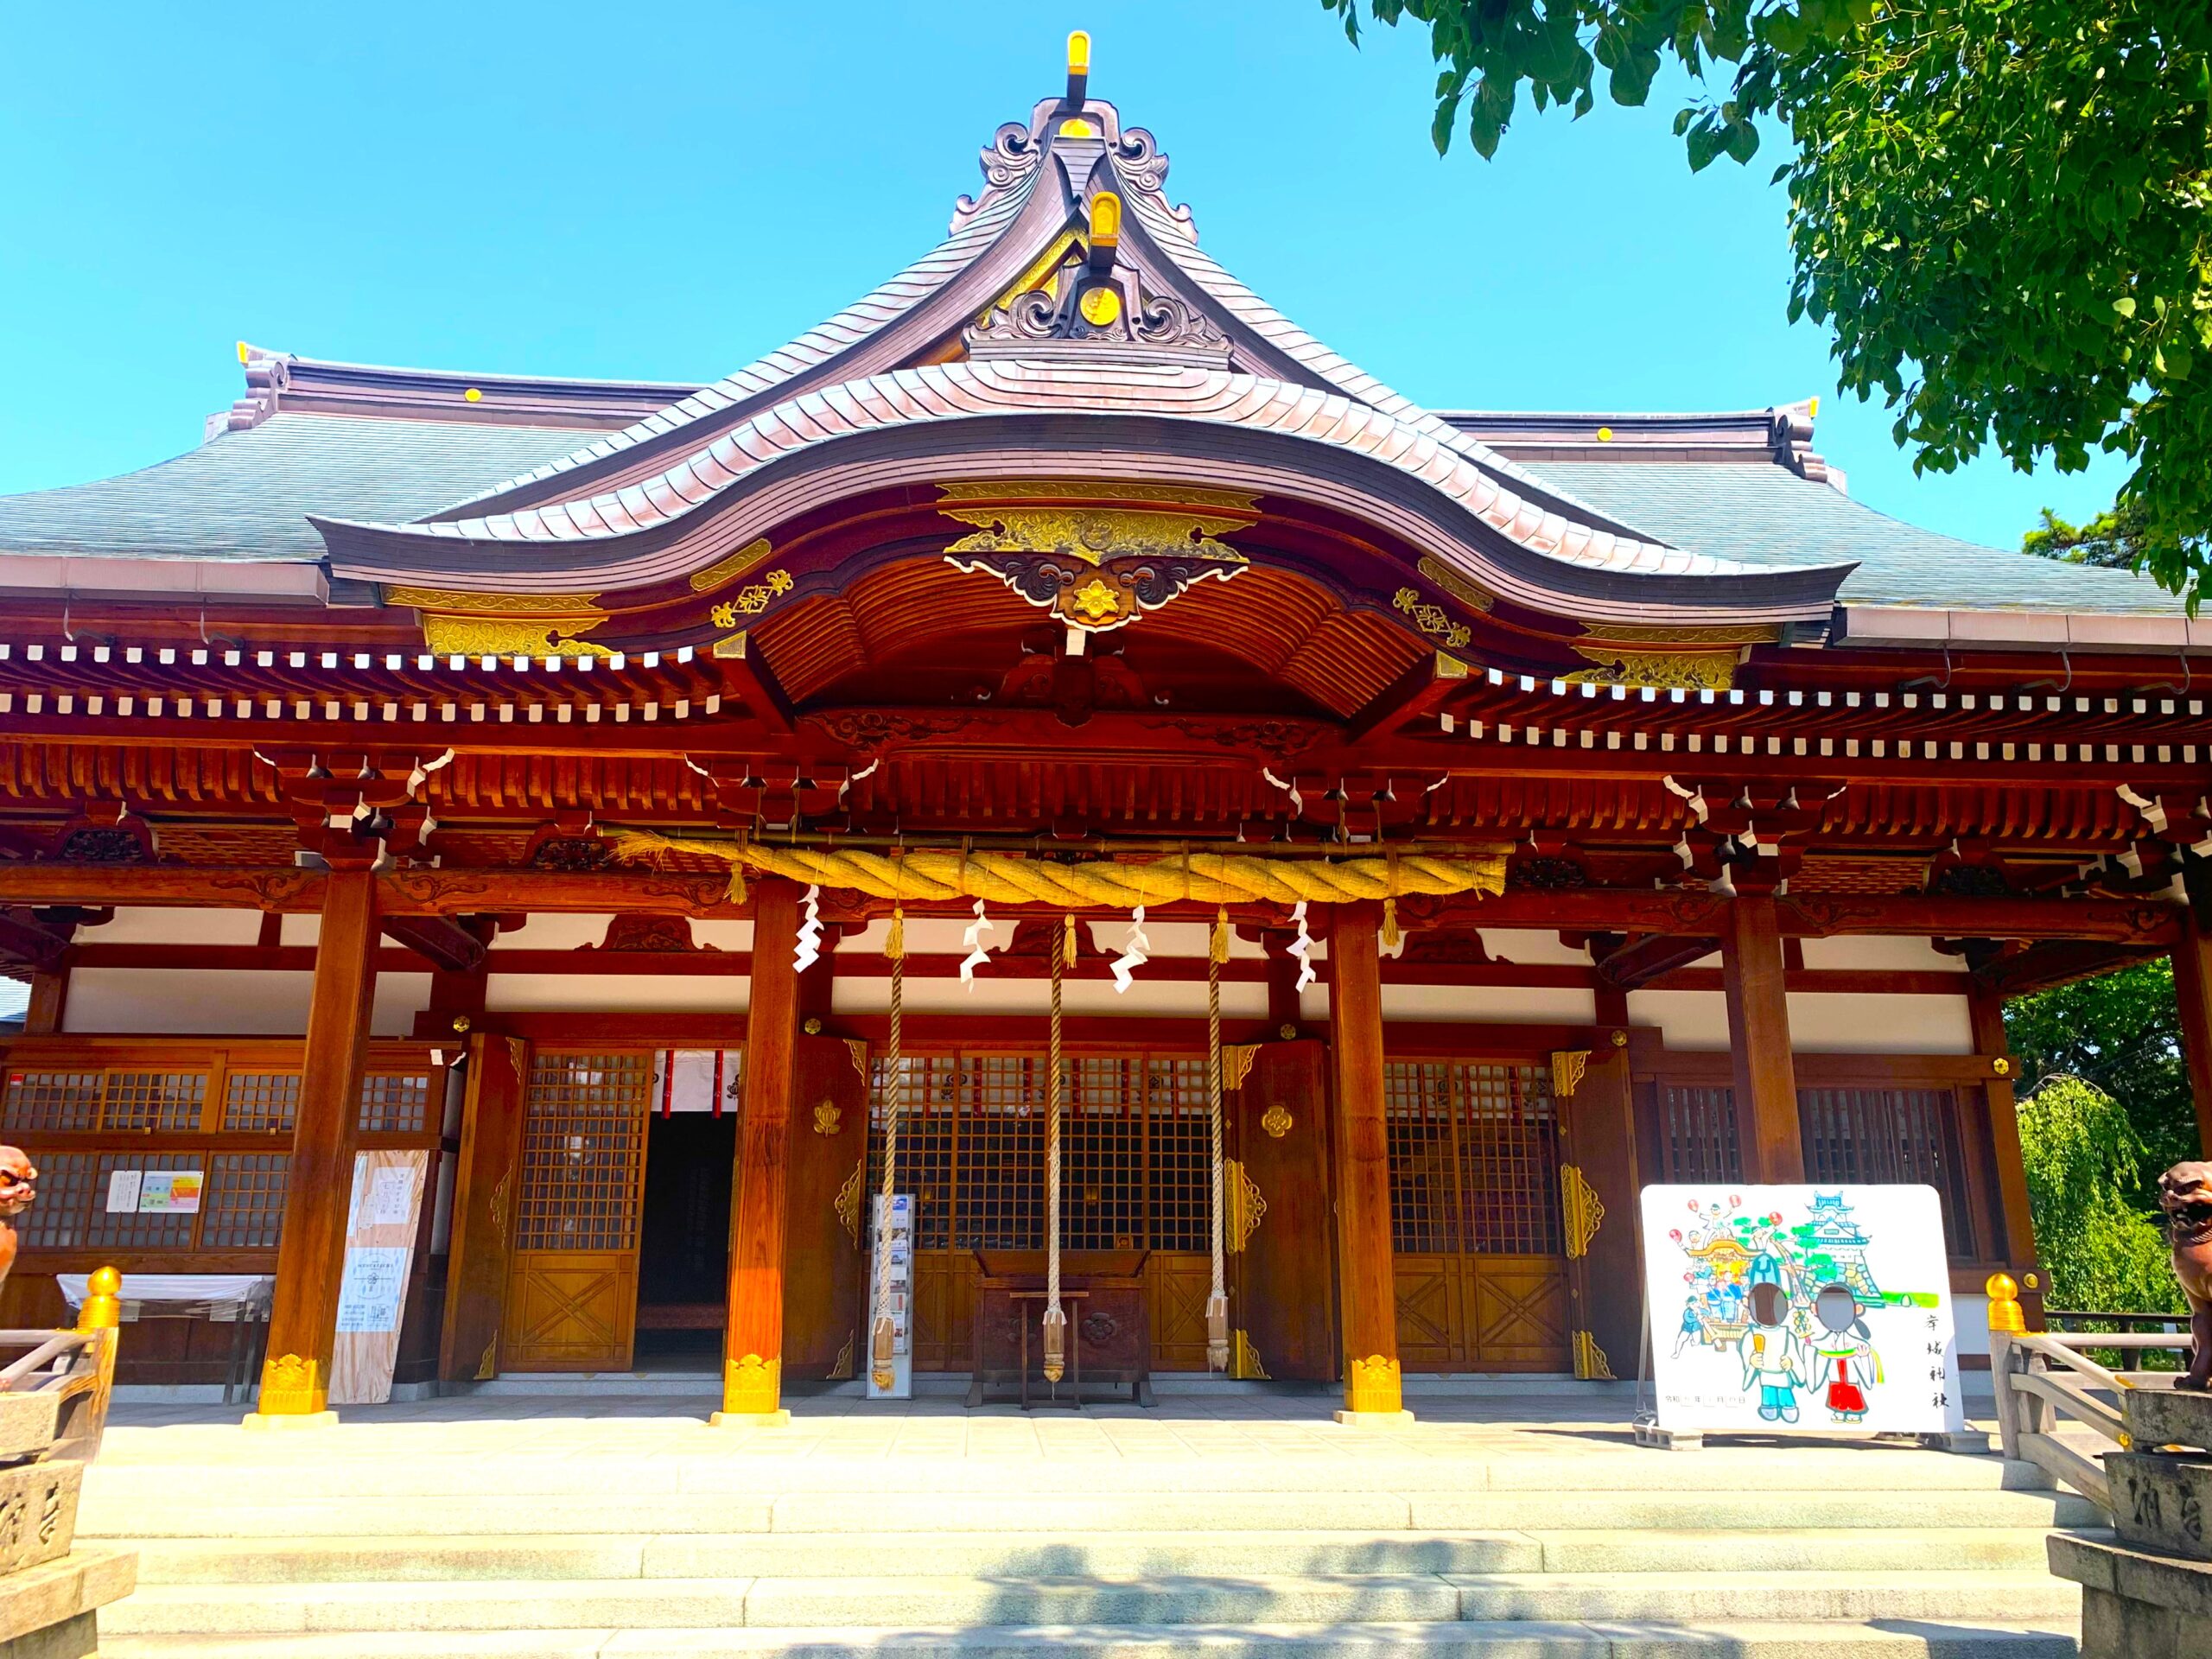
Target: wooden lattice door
<point x="1479" y="1245"/>
<point x="572" y="1289"/>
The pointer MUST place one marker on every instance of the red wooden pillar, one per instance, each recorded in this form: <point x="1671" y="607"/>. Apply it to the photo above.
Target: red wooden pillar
<point x="1367" y="1287"/>
<point x="2192" y="957"/>
<point x="753" y="1352"/>
<point x="311" y="1255"/>
<point x="2016" y="1242"/>
<point x="1758" y="1040"/>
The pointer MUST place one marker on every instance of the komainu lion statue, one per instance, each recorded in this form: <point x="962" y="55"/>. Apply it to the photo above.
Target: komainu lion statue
<point x="18" y="1186"/>
<point x="2185" y="1196"/>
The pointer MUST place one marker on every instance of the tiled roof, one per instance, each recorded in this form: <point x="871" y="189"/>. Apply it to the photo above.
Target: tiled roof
<point x="247" y="495"/>
<point x="1766" y="515"/>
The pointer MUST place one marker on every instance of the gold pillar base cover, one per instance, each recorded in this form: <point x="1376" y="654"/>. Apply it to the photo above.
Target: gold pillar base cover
<point x="1372" y="1385"/>
<point x="292" y="1387"/>
<point x="753" y="1387"/>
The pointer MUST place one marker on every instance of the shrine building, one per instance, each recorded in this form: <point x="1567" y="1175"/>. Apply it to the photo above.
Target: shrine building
<point x="622" y="813"/>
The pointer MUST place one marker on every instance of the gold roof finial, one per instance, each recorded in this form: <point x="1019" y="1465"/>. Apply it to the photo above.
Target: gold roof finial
<point x="1078" y="86"/>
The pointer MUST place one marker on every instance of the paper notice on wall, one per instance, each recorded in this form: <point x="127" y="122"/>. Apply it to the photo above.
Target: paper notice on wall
<point x="369" y="1296"/>
<point x="122" y="1188"/>
<point x="169" y="1192"/>
<point x="392" y="1198"/>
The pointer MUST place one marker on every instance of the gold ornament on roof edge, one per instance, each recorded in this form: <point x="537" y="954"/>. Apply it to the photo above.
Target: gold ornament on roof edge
<point x="1469" y="593"/>
<point x="1665" y="671"/>
<point x="752" y="601"/>
<point x="1432" y="619"/>
<point x="485" y="636"/>
<point x="730" y="567"/>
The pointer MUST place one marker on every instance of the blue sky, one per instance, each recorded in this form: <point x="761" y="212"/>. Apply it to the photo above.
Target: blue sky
<point x="665" y="192"/>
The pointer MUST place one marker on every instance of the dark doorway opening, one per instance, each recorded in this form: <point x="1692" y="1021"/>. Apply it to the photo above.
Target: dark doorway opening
<point x="684" y="1244"/>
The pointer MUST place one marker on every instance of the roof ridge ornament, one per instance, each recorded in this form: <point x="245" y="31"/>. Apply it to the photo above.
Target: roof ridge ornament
<point x="1103" y="300"/>
<point x="1016" y="149"/>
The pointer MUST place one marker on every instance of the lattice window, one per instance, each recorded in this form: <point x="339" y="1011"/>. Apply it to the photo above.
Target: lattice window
<point x="1891" y="1135"/>
<point x="140" y="1230"/>
<point x="1178" y="1155"/>
<point x="583" y="1162"/>
<point x="261" y="1101"/>
<point x="61" y="1219"/>
<point x="1424" y="1177"/>
<point x="1508" y="1160"/>
<point x="244" y="1205"/>
<point x="1101" y="1155"/>
<point x="999" y="1159"/>
<point x="52" y="1100"/>
<point x="929" y="1108"/>
<point x="154" y="1100"/>
<point x="1697" y="1134"/>
<point x="394" y="1103"/>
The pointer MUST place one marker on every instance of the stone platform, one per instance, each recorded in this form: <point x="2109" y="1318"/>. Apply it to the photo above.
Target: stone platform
<point x="1228" y="1525"/>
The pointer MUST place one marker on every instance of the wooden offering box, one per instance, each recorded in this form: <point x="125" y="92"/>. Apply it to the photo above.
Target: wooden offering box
<point x="1109" y="1326"/>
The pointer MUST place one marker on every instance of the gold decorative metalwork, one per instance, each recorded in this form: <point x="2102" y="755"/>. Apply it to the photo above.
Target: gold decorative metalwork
<point x="1236" y="1064"/>
<point x="1737" y="634"/>
<point x="752" y="601"/>
<point x="499" y="1203"/>
<point x="1185" y="529"/>
<point x="1044" y="273"/>
<point x="484" y="636"/>
<point x="1244" y="1359"/>
<point x="1580" y="1212"/>
<point x="1277" y="1121"/>
<point x="857" y="1047"/>
<point x="1432" y="619"/>
<point x="1687" y="671"/>
<point x="847" y="1204"/>
<point x="1471" y="594"/>
<point x="455" y="601"/>
<point x="1590" y="1361"/>
<point x="1372" y="1385"/>
<point x="1242" y="1205"/>
<point x="730" y="567"/>
<point x="751" y="1385"/>
<point x="292" y="1387"/>
<point x="488" y="1367"/>
<point x="829" y="1117"/>
<point x="843" y="1370"/>
<point x="1567" y="1066"/>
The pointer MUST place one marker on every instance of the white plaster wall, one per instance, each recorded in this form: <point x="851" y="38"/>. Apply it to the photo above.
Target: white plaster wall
<point x="254" y="1003"/>
<point x="1000" y="995"/>
<point x="1911" y="955"/>
<point x="616" y="993"/>
<point x="553" y="931"/>
<point x="1527" y="944"/>
<point x="299" y="930"/>
<point x="1490" y="1005"/>
<point x="1688" y="1019"/>
<point x="1822" y="1022"/>
<point x="163" y="925"/>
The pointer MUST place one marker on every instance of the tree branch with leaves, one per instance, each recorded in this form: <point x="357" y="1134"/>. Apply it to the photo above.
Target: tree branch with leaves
<point x="2002" y="209"/>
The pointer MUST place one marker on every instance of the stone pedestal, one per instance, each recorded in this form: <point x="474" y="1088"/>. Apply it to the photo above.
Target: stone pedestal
<point x="49" y="1594"/>
<point x="2149" y="1595"/>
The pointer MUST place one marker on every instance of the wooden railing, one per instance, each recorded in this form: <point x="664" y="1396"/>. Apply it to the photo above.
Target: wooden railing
<point x="2046" y="1379"/>
<point x="73" y="1369"/>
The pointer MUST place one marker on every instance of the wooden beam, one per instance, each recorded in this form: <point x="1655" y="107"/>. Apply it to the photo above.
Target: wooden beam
<point x="753" y="1352"/>
<point x="1413" y="694"/>
<point x="446" y="944"/>
<point x="2055" y="962"/>
<point x="746" y="672"/>
<point x="1367" y="1284"/>
<point x="2192" y="955"/>
<point x="1636" y="963"/>
<point x="311" y="1250"/>
<point x="1758" y="1040"/>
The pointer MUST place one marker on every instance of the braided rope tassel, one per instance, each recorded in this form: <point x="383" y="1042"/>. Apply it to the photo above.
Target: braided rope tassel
<point x="1056" y="1320"/>
<point x="1218" y="1302"/>
<point x="882" y="1341"/>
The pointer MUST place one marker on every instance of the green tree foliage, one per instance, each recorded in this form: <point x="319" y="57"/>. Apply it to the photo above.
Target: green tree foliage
<point x="2001" y="208"/>
<point x="2121" y="1033"/>
<point x="2101" y="1251"/>
<point x="2113" y="538"/>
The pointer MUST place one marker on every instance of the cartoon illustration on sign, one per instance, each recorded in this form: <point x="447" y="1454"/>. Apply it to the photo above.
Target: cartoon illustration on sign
<point x="1802" y="1308"/>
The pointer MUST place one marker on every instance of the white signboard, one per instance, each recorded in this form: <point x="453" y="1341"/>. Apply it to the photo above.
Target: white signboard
<point x="1804" y="1309"/>
<point x="170" y="1191"/>
<point x="123" y="1186"/>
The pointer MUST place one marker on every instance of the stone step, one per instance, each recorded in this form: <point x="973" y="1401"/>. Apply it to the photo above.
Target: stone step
<point x="1365" y="1509"/>
<point x="715" y="1466"/>
<point x="426" y="1557"/>
<point x="1923" y="1639"/>
<point x="952" y="1600"/>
